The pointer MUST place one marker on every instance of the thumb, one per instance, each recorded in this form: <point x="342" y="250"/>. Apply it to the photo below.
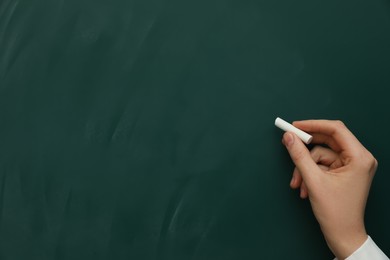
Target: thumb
<point x="300" y="155"/>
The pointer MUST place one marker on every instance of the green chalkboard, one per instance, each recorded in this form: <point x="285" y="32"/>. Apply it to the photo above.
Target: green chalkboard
<point x="143" y="129"/>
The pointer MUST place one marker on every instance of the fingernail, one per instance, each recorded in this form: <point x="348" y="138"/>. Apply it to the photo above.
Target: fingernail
<point x="288" y="139"/>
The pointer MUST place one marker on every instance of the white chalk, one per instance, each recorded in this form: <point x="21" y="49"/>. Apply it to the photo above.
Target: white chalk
<point x="305" y="137"/>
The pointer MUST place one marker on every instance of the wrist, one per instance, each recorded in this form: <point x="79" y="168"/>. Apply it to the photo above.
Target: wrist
<point x="346" y="244"/>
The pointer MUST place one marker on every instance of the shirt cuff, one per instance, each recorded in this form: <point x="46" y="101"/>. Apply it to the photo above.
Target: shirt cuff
<point x="368" y="251"/>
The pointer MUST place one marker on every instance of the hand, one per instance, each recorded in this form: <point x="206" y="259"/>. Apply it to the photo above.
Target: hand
<point x="337" y="180"/>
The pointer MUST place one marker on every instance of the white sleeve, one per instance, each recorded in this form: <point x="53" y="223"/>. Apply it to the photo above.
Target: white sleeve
<point x="368" y="251"/>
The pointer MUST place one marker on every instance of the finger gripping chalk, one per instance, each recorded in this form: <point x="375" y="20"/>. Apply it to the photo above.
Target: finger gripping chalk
<point x="305" y="137"/>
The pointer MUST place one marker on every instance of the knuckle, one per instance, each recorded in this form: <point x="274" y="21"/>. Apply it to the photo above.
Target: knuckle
<point x="374" y="164"/>
<point x="339" y="123"/>
<point x="316" y="151"/>
<point x="370" y="162"/>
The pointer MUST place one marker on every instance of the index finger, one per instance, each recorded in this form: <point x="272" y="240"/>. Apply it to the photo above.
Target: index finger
<point x="334" y="133"/>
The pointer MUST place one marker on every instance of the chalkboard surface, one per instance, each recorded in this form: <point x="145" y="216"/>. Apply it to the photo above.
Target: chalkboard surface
<point x="143" y="129"/>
